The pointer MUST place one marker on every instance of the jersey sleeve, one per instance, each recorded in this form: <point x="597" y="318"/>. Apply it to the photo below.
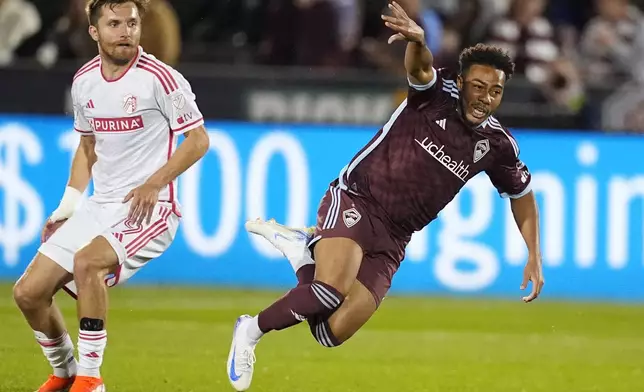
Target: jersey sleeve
<point x="509" y="175"/>
<point x="81" y="125"/>
<point x="442" y="85"/>
<point x="178" y="104"/>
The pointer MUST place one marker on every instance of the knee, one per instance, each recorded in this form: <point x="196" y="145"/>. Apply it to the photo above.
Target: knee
<point x="341" y="330"/>
<point x="86" y="265"/>
<point x="338" y="261"/>
<point x="27" y="298"/>
<point x="342" y="335"/>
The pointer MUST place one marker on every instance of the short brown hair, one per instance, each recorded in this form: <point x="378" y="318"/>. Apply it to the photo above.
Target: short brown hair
<point x="94" y="7"/>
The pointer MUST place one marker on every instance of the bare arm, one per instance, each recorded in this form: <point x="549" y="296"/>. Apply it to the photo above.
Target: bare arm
<point x="418" y="62"/>
<point x="84" y="159"/>
<point x="79" y="176"/>
<point x="190" y="151"/>
<point x="145" y="197"/>
<point x="526" y="216"/>
<point x="418" y="58"/>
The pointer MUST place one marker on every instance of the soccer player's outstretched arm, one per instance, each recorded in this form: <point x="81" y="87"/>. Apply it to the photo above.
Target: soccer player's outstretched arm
<point x="512" y="179"/>
<point x="418" y="57"/>
<point x="526" y="216"/>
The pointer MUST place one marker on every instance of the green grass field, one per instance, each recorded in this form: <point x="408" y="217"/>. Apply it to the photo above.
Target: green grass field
<point x="176" y="339"/>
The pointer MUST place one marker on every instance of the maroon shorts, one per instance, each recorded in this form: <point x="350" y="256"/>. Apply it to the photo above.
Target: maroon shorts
<point x="345" y="215"/>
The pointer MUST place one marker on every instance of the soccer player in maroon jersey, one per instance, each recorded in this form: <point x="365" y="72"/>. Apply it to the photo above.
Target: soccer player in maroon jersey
<point x="440" y="137"/>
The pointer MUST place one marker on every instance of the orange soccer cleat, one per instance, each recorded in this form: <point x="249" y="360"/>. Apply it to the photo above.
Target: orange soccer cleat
<point x="88" y="384"/>
<point x="56" y="384"/>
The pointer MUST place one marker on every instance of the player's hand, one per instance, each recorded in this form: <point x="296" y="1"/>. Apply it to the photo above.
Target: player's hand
<point x="144" y="199"/>
<point x="533" y="273"/>
<point x="406" y="29"/>
<point x="50" y="228"/>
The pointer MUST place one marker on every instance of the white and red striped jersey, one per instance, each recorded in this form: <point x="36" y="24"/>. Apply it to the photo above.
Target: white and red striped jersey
<point x="135" y="119"/>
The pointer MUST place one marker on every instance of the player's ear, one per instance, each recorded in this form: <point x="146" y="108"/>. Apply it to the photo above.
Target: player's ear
<point x="93" y="32"/>
<point x="459" y="82"/>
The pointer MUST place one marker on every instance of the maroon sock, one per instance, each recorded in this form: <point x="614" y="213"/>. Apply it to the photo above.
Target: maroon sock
<point x="306" y="301"/>
<point x="319" y="325"/>
<point x="305" y="274"/>
<point x="322" y="332"/>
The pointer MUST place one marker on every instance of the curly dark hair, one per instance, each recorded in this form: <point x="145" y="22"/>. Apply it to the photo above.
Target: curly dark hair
<point x="483" y="54"/>
<point x="94" y="7"/>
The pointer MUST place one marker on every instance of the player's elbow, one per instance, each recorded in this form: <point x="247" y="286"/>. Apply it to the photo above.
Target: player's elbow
<point x="201" y="141"/>
<point x="203" y="144"/>
<point x="421" y="76"/>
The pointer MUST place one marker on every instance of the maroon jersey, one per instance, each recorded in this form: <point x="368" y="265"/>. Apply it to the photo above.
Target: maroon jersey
<point x="424" y="155"/>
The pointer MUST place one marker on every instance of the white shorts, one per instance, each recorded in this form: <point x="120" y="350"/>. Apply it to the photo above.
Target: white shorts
<point x="134" y="245"/>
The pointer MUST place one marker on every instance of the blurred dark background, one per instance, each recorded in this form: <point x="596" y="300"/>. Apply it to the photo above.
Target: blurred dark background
<point x="580" y="62"/>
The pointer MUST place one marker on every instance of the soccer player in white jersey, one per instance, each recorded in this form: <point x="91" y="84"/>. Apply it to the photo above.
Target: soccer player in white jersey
<point x="129" y="109"/>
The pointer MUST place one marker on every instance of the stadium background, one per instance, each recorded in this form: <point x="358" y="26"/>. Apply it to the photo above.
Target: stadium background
<point x="291" y="89"/>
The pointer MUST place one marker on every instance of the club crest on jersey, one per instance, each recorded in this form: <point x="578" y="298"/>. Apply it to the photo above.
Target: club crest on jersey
<point x="129" y="104"/>
<point x="480" y="149"/>
<point x="351" y="217"/>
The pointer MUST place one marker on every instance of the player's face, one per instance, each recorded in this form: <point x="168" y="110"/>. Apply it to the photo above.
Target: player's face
<point x="481" y="91"/>
<point x="118" y="32"/>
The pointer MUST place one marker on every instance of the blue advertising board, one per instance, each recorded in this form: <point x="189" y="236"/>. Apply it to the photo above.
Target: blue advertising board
<point x="589" y="186"/>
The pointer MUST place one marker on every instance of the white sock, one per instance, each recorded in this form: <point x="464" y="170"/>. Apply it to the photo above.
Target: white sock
<point x="91" y="345"/>
<point x="299" y="260"/>
<point x="252" y="331"/>
<point x="59" y="352"/>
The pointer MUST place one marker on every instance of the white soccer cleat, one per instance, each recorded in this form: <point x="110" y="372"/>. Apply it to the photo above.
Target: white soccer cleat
<point x="293" y="243"/>
<point x="241" y="358"/>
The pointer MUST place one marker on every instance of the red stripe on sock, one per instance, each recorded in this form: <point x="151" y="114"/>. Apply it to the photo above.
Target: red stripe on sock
<point x="52" y="342"/>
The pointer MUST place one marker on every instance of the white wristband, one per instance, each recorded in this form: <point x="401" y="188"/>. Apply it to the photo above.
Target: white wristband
<point x="68" y="204"/>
